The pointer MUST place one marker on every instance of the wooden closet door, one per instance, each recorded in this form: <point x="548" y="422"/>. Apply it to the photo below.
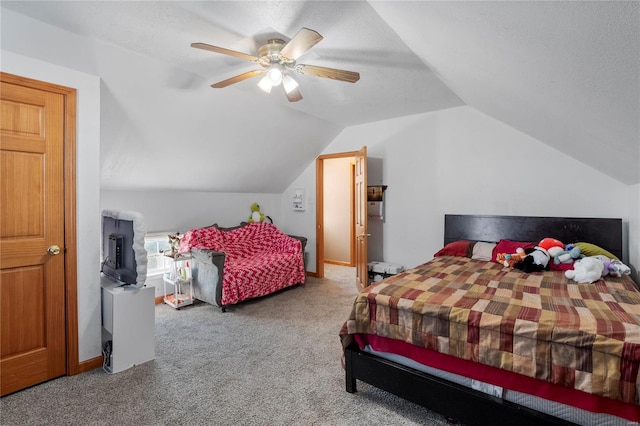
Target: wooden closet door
<point x="362" y="232"/>
<point x="32" y="255"/>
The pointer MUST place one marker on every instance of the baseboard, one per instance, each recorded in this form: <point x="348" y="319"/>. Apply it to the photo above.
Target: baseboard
<point x="311" y="274"/>
<point x="338" y="262"/>
<point x="90" y="364"/>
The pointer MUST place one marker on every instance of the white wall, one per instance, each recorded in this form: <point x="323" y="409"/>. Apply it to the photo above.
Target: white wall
<point x="462" y="161"/>
<point x="87" y="188"/>
<point x="183" y="210"/>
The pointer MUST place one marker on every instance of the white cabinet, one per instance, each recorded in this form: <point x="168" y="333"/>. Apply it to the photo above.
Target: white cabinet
<point x="128" y="325"/>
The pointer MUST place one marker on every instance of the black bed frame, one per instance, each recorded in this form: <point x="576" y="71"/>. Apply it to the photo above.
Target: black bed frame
<point x="455" y="401"/>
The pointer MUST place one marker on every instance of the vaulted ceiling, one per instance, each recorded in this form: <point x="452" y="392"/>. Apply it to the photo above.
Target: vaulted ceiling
<point x="566" y="73"/>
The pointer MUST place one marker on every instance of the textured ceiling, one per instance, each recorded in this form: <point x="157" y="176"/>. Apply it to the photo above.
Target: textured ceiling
<point x="567" y="73"/>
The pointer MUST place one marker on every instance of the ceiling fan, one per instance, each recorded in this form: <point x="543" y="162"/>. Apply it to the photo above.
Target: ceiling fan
<point x="278" y="62"/>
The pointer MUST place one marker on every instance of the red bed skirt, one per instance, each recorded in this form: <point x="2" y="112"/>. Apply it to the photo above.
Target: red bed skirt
<point x="502" y="378"/>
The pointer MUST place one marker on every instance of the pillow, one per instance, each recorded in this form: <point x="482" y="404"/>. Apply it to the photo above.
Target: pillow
<point x="509" y="247"/>
<point x="482" y="251"/>
<point x="589" y="249"/>
<point x="462" y="248"/>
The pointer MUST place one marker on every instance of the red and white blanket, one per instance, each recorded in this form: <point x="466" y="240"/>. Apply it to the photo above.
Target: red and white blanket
<point x="259" y="259"/>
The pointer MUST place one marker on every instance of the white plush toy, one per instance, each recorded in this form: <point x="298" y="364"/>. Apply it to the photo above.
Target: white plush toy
<point x="586" y="270"/>
<point x="613" y="267"/>
<point x="618" y="269"/>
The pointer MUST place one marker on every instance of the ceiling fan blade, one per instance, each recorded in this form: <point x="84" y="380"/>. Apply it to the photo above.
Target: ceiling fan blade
<point x="216" y="49"/>
<point x="237" y="78"/>
<point x="293" y="95"/>
<point x="325" y="72"/>
<point x="304" y="40"/>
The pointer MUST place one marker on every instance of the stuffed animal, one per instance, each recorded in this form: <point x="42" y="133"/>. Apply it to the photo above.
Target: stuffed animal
<point x="586" y="270"/>
<point x="569" y="255"/>
<point x="552" y="246"/>
<point x="612" y="267"/>
<point x="618" y="269"/>
<point x="256" y="214"/>
<point x="508" y="259"/>
<point x="536" y="259"/>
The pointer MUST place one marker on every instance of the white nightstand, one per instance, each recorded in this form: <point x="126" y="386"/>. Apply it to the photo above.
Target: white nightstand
<point x="178" y="275"/>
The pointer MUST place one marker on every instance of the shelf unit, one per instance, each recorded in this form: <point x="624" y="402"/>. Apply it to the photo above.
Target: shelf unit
<point x="178" y="275"/>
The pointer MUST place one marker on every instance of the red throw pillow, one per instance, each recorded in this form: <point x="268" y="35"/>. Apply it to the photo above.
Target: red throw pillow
<point x="462" y="248"/>
<point x="509" y="247"/>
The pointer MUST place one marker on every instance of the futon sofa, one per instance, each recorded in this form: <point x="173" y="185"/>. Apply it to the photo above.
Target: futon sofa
<point x="230" y="265"/>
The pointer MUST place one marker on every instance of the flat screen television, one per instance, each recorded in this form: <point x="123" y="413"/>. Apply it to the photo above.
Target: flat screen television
<point x="124" y="258"/>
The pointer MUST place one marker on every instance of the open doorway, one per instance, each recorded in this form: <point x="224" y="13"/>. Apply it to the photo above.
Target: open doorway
<point x="336" y="210"/>
<point x="338" y="215"/>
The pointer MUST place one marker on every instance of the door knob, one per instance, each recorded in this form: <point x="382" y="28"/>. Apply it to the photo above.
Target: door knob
<point x="363" y="235"/>
<point x="53" y="250"/>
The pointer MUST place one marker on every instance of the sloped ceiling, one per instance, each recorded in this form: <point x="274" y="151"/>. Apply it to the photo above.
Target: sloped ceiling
<point x="567" y="73"/>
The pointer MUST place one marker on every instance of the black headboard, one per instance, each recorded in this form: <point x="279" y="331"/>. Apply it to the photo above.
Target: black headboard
<point x="603" y="232"/>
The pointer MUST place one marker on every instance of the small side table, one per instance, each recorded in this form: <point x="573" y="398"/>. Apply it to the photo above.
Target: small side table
<point x="179" y="276"/>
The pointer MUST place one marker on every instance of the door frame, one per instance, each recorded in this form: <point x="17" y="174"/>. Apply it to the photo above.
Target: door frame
<point x="320" y="207"/>
<point x="70" y="236"/>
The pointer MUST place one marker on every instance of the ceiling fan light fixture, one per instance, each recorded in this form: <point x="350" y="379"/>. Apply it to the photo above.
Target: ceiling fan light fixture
<point x="289" y="84"/>
<point x="275" y="75"/>
<point x="265" y="84"/>
<point x="277" y="60"/>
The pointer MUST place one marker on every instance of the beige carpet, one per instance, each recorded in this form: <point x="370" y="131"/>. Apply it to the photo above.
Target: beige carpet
<point x="342" y="274"/>
<point x="272" y="361"/>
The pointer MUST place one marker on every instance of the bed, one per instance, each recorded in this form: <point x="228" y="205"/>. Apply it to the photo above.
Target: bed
<point x="485" y="344"/>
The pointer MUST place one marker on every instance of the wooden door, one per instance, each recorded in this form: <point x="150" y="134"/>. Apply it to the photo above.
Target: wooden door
<point x="32" y="250"/>
<point x="362" y="236"/>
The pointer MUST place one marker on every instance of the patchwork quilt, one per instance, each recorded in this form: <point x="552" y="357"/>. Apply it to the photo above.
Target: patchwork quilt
<point x="541" y="325"/>
<point x="259" y="259"/>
